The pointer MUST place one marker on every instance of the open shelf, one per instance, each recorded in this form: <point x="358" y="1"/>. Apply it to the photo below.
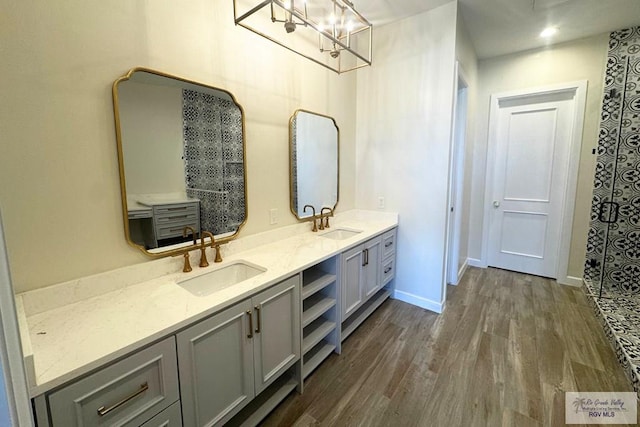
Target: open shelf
<point x="315" y="356"/>
<point x="314" y="280"/>
<point x="264" y="403"/>
<point x="315" y="306"/>
<point x="316" y="332"/>
<point x="356" y="319"/>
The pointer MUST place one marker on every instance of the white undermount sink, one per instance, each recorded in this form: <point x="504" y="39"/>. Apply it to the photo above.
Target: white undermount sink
<point x="221" y="278"/>
<point x="340" y="234"/>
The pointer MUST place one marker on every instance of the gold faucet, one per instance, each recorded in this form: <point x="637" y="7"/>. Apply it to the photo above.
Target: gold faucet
<point x="315" y="228"/>
<point x="326" y="218"/>
<point x="187" y="265"/>
<point x="214" y="245"/>
<point x="203" y="248"/>
<point x="193" y="234"/>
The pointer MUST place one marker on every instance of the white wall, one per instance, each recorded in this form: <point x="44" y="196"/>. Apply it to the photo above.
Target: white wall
<point x="60" y="184"/>
<point x="404" y="114"/>
<point x="468" y="65"/>
<point x="578" y="60"/>
<point x="151" y="116"/>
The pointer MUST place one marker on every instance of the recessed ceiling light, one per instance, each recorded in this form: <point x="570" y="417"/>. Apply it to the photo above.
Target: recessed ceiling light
<point x="548" y="32"/>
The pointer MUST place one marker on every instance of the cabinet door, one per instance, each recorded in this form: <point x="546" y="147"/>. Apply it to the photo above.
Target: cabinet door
<point x="277" y="331"/>
<point x="215" y="361"/>
<point x="371" y="270"/>
<point x="352" y="264"/>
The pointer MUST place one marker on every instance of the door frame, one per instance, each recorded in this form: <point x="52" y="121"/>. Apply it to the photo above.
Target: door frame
<point x="459" y="136"/>
<point x="579" y="89"/>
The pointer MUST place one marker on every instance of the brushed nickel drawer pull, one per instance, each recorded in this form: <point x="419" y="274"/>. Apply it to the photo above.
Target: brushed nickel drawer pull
<point x="257" y="308"/>
<point x="102" y="411"/>
<point x="250" y="334"/>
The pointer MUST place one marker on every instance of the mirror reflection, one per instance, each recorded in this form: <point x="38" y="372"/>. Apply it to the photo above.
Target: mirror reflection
<point x="181" y="148"/>
<point x="314" y="145"/>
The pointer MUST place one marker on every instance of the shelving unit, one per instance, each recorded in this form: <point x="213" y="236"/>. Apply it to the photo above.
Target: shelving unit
<point x="319" y="299"/>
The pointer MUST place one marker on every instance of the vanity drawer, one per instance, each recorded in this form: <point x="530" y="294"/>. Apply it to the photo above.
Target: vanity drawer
<point x="140" y="214"/>
<point x="127" y="393"/>
<point x="388" y="270"/>
<point x="170" y="417"/>
<point x="175" y="211"/>
<point x="175" y="229"/>
<point x="388" y="243"/>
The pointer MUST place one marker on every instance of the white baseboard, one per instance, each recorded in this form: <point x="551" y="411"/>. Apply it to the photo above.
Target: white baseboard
<point x="473" y="262"/>
<point x="421" y="302"/>
<point x="463" y="269"/>
<point x="570" y="281"/>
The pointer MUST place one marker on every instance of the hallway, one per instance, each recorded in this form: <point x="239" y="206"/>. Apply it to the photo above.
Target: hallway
<point x="503" y="353"/>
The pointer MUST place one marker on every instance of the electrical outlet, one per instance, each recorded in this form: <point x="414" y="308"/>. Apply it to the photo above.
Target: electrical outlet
<point x="273" y="216"/>
<point x="381" y="202"/>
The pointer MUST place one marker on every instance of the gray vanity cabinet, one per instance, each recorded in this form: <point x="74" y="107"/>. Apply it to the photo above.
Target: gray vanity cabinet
<point x="366" y="280"/>
<point x="215" y="362"/>
<point x="127" y="393"/>
<point x="227" y="359"/>
<point x="371" y="270"/>
<point x="277" y="331"/>
<point x="360" y="275"/>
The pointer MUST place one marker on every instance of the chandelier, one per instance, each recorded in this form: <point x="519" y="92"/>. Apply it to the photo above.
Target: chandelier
<point x="330" y="33"/>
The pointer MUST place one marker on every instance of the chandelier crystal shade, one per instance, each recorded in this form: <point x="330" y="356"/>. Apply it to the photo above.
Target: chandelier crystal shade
<point x="330" y="33"/>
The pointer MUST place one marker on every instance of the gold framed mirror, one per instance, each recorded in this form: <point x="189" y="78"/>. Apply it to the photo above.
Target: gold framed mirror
<point x="181" y="151"/>
<point x="314" y="160"/>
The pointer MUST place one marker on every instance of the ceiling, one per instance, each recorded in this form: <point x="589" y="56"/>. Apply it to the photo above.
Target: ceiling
<point x="499" y="27"/>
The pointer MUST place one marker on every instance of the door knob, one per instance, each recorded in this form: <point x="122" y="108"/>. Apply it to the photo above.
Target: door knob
<point x="496" y="204"/>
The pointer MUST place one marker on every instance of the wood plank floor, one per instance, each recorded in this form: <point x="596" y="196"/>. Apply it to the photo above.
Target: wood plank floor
<point x="503" y="353"/>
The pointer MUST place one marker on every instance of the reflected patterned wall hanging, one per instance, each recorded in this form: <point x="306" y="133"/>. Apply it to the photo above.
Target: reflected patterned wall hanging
<point x="214" y="159"/>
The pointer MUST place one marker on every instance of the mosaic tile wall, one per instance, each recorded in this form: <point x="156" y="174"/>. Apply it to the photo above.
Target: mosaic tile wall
<point x="214" y="159"/>
<point x="613" y="248"/>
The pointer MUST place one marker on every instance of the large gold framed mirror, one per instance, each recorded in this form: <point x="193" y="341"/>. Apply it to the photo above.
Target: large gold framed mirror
<point x="314" y="145"/>
<point x="181" y="150"/>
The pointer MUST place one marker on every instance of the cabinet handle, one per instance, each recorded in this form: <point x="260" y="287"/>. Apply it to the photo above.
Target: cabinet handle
<point x="366" y="253"/>
<point x="364" y="257"/>
<point x="250" y="334"/>
<point x="173" y="218"/>
<point x="386" y="270"/>
<point x="386" y="245"/>
<point x="257" y="307"/>
<point x="102" y="411"/>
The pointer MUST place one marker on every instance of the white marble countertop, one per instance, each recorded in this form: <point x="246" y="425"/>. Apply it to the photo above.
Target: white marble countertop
<point x="75" y="327"/>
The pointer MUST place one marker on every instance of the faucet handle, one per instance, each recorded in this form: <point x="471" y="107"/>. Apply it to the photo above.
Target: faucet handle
<point x="218" y="256"/>
<point x="326" y="217"/>
<point x="187" y="265"/>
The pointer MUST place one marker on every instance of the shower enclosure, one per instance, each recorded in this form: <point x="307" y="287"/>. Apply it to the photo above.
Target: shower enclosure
<point x="612" y="267"/>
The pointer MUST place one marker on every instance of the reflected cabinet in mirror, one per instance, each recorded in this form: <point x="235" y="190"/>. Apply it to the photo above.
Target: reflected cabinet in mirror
<point x="314" y="146"/>
<point x="181" y="150"/>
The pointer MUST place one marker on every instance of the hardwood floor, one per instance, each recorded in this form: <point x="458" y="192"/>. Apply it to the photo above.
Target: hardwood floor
<point x="503" y="353"/>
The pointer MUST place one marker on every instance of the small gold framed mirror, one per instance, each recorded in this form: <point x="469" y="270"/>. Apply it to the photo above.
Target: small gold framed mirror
<point x="181" y="151"/>
<point x="314" y="145"/>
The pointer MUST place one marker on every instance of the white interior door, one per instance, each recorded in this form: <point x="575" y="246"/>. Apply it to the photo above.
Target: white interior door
<point x="532" y="148"/>
<point x="456" y="180"/>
